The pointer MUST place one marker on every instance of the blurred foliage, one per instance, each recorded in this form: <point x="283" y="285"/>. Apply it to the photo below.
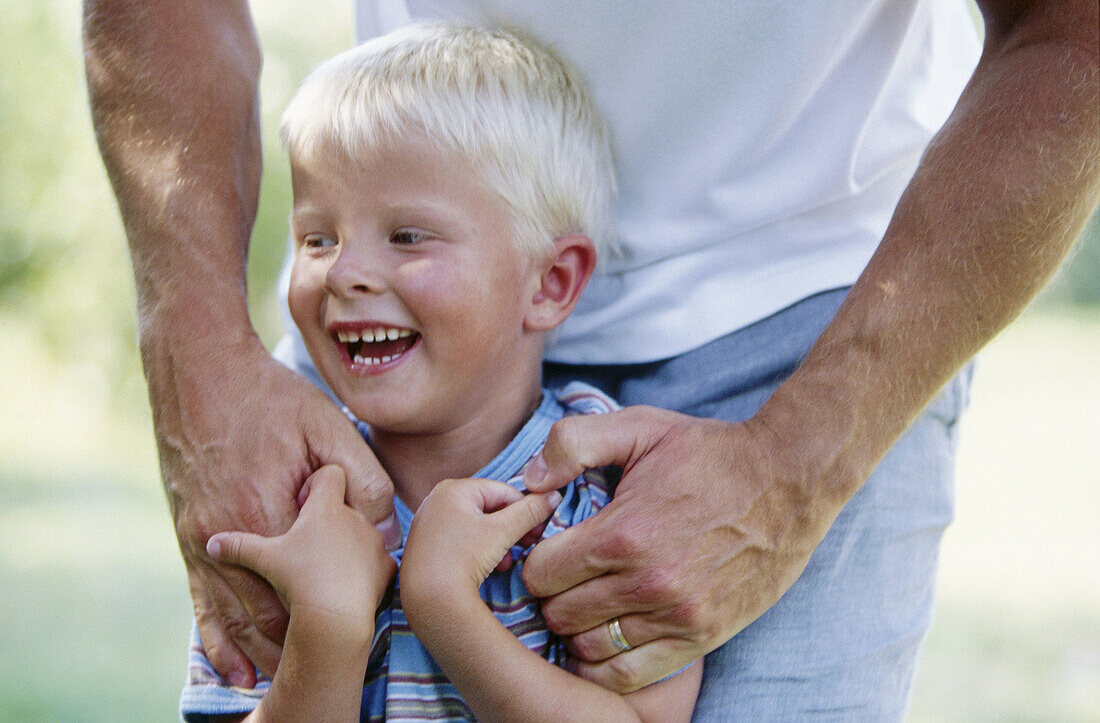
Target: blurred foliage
<point x="64" y="266"/>
<point x="295" y="37"/>
<point x="63" y="259"/>
<point x="61" y="263"/>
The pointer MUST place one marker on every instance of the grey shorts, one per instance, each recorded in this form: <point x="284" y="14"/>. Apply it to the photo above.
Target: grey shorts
<point x="842" y="643"/>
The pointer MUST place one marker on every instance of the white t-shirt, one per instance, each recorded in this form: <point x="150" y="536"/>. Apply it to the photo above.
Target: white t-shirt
<point x="761" y="146"/>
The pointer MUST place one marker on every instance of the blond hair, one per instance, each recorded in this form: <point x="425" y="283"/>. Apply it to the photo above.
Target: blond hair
<point x="516" y="111"/>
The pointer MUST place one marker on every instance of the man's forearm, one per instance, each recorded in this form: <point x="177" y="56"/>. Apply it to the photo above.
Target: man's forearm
<point x="995" y="205"/>
<point x="173" y="89"/>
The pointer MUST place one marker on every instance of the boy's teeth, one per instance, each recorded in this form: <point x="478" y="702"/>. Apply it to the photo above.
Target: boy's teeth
<point x="370" y="361"/>
<point x="357" y="341"/>
<point x="381" y="333"/>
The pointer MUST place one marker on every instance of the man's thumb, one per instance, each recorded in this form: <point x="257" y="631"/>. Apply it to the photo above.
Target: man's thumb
<point x="587" y="441"/>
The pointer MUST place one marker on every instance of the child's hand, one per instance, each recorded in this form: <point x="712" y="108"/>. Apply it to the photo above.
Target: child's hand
<point x="462" y="530"/>
<point x="331" y="564"/>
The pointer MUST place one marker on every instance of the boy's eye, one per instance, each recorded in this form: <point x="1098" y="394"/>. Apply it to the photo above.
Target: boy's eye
<point x="317" y="241"/>
<point x="407" y="237"/>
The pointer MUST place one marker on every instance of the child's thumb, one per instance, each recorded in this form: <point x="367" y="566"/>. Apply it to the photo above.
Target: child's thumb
<point x="236" y="548"/>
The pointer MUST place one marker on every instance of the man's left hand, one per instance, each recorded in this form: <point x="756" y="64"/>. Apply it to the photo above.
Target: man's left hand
<point x="709" y="526"/>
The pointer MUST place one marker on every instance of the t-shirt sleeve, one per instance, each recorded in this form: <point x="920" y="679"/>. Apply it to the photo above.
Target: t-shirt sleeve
<point x="207" y="694"/>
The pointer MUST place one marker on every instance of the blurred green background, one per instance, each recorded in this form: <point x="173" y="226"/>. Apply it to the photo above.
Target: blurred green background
<point x="93" y="601"/>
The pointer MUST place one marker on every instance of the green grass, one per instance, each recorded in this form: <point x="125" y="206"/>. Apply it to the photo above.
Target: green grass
<point x="95" y="611"/>
<point x="93" y="600"/>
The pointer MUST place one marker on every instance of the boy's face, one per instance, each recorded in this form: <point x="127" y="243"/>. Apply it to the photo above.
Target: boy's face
<point x="409" y="290"/>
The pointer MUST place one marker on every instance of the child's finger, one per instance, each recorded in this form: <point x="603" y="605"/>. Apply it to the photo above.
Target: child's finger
<point x="327" y="484"/>
<point x="238" y="548"/>
<point x="533" y="535"/>
<point x="520" y="517"/>
<point x="490" y="494"/>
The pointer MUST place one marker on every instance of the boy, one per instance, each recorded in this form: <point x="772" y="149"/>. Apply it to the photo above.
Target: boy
<point x="451" y="186"/>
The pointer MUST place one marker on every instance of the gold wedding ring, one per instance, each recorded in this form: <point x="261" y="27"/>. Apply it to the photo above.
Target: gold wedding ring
<point x="617" y="637"/>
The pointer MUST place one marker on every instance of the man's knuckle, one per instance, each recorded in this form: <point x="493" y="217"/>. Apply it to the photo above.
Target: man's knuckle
<point x="564" y="437"/>
<point x="625" y="541"/>
<point x="532" y="581"/>
<point x="217" y="653"/>
<point x="583" y="648"/>
<point x="203" y="612"/>
<point x="624" y="675"/>
<point x="271" y="622"/>
<point x="555" y="620"/>
<point x="237" y="627"/>
<point x="690" y="614"/>
<point x="657" y="587"/>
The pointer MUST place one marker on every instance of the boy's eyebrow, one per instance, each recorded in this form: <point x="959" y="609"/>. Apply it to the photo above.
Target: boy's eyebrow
<point x="302" y="209"/>
<point x="301" y="214"/>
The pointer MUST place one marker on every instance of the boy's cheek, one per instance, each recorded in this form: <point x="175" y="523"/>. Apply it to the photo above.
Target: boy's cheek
<point x="306" y="292"/>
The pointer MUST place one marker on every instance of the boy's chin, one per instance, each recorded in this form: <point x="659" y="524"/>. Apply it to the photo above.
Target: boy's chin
<point x="393" y="422"/>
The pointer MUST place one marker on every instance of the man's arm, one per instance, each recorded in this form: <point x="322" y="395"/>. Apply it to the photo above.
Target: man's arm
<point x="998" y="198"/>
<point x="173" y="90"/>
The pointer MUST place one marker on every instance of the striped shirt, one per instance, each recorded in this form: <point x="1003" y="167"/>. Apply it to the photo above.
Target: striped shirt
<point x="403" y="683"/>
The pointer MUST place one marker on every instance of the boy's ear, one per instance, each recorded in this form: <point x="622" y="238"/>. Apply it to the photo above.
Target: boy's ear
<point x="564" y="276"/>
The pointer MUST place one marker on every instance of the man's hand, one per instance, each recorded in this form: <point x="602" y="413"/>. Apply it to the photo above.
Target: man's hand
<point x="706" y="531"/>
<point x="332" y="571"/>
<point x="234" y="454"/>
<point x="173" y="93"/>
<point x="331" y="563"/>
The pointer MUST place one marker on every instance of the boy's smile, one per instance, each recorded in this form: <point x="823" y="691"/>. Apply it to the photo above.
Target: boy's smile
<point x="410" y="291"/>
<point x="371" y="345"/>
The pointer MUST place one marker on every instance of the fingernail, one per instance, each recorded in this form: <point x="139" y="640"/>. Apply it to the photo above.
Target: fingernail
<point x="554" y="498"/>
<point x="391" y="532"/>
<point x="237" y="679"/>
<point x="213" y="546"/>
<point x="535" y="472"/>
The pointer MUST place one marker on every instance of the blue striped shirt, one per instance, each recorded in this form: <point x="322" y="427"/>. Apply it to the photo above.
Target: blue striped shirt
<point x="403" y="683"/>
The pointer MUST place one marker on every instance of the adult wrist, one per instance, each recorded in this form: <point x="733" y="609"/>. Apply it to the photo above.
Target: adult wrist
<point x="814" y="441"/>
<point x="205" y="324"/>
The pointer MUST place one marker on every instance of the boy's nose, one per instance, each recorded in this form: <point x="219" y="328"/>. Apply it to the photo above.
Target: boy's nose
<point x="354" y="272"/>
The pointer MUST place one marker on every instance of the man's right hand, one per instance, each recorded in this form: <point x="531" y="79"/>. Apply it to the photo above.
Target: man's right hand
<point x="234" y="453"/>
<point x="173" y="94"/>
